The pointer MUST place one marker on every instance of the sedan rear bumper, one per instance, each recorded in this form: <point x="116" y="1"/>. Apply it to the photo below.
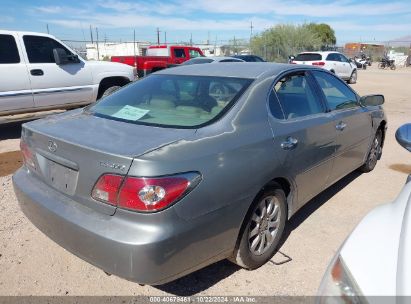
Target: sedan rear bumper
<point x="146" y="248"/>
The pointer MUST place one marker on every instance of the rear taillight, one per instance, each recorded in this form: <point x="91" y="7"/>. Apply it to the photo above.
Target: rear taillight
<point x="319" y="63"/>
<point x="28" y="155"/>
<point x="107" y="187"/>
<point x="144" y="193"/>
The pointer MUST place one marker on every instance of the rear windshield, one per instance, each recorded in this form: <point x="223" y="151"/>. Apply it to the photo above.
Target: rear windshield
<point x="308" y="57"/>
<point x="172" y="100"/>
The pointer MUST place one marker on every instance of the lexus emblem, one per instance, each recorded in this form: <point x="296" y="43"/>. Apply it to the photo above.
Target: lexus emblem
<point x="52" y="146"/>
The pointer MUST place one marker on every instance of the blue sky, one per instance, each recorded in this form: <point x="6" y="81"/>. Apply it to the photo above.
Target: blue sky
<point x="222" y="19"/>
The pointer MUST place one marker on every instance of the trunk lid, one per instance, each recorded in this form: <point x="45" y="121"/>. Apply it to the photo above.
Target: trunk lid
<point x="73" y="149"/>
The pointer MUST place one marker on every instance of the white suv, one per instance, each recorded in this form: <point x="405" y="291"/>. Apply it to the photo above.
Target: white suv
<point x="39" y="72"/>
<point x="335" y="62"/>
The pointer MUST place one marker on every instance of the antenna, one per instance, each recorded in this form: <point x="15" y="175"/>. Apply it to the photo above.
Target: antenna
<point x="47" y="25"/>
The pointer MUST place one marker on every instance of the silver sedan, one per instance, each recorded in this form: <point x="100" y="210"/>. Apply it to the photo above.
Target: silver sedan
<point x="194" y="164"/>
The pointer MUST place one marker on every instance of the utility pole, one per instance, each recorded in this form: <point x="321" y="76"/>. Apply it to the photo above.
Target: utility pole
<point x="91" y="34"/>
<point x="208" y="38"/>
<point x="47" y="25"/>
<point x="134" y="47"/>
<point x="191" y="39"/>
<point x="235" y="47"/>
<point x="165" y="37"/>
<point x="251" y="31"/>
<point x="98" y="51"/>
<point x="158" y="36"/>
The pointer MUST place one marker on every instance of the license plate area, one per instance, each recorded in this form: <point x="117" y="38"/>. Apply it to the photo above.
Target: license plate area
<point x="58" y="176"/>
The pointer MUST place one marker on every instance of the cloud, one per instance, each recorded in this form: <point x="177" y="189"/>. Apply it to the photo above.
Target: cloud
<point x="170" y="23"/>
<point x="381" y="27"/>
<point x="49" y="9"/>
<point x="277" y="7"/>
<point x="6" y="19"/>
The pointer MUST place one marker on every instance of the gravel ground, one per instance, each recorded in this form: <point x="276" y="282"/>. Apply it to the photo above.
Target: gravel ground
<point x="31" y="264"/>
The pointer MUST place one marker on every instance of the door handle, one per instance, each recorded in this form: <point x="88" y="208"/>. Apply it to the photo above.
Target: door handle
<point x="341" y="126"/>
<point x="290" y="143"/>
<point x="37" y="72"/>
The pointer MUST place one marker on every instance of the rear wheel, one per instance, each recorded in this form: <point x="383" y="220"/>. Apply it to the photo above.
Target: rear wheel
<point x="262" y="229"/>
<point x="374" y="154"/>
<point x="353" y="78"/>
<point x="392" y="66"/>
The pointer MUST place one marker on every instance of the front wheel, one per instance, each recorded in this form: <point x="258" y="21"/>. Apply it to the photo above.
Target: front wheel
<point x="110" y="90"/>
<point x="393" y="67"/>
<point x="353" y="78"/>
<point x="381" y="65"/>
<point x="374" y="153"/>
<point x="262" y="229"/>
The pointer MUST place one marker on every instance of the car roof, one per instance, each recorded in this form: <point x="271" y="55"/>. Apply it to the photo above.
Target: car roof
<point x="251" y="70"/>
<point x="219" y="58"/>
<point x="319" y="52"/>
<point x="22" y="33"/>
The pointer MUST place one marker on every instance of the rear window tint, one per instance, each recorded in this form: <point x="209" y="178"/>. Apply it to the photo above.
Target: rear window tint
<point x="173" y="100"/>
<point x="8" y="50"/>
<point x="308" y="57"/>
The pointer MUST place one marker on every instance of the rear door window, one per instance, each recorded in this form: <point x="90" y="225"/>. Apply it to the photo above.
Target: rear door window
<point x="338" y="95"/>
<point x="296" y="97"/>
<point x="179" y="53"/>
<point x="333" y="57"/>
<point x="8" y="50"/>
<point x="308" y="57"/>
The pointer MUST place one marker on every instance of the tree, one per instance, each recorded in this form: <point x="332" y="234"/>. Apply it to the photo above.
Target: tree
<point x="324" y="32"/>
<point x="283" y="40"/>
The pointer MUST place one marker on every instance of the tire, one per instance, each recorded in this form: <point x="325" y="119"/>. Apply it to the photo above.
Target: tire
<point x="353" y="78"/>
<point x="381" y="65"/>
<point x="253" y="248"/>
<point x="392" y="66"/>
<point x="374" y="153"/>
<point x="110" y="90"/>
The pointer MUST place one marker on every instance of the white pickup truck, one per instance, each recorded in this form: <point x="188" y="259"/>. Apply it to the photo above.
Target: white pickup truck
<point x="38" y="72"/>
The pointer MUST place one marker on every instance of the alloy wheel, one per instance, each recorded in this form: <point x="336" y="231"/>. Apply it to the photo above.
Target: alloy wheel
<point x="264" y="225"/>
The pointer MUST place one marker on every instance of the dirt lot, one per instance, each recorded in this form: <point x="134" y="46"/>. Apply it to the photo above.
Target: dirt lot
<point x="31" y="264"/>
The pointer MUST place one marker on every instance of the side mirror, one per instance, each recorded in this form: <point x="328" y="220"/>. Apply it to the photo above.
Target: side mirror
<point x="61" y="57"/>
<point x="372" y="100"/>
<point x="403" y="136"/>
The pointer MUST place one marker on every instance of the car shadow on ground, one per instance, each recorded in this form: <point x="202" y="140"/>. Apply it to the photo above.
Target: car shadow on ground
<point x="207" y="277"/>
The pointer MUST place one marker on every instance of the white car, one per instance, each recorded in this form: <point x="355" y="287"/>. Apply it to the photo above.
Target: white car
<point x="39" y="72"/>
<point x="375" y="260"/>
<point x="334" y="62"/>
